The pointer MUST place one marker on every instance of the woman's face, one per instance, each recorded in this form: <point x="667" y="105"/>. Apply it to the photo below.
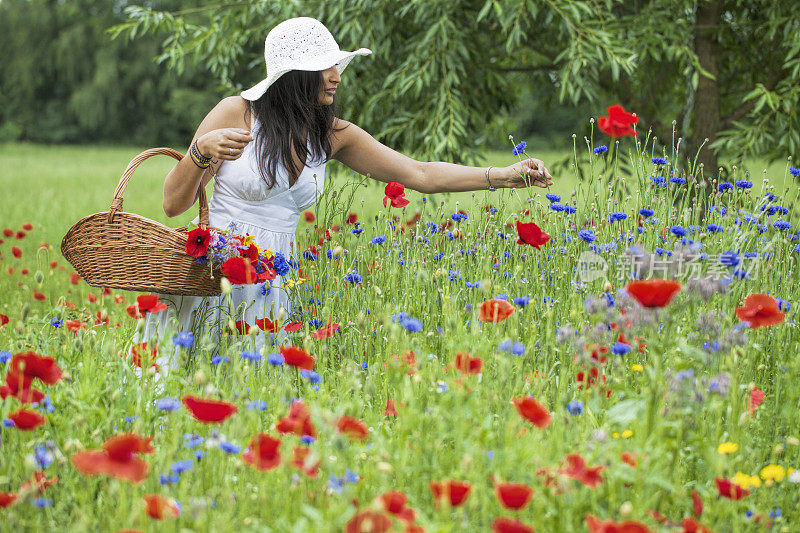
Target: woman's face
<point x="330" y="79"/>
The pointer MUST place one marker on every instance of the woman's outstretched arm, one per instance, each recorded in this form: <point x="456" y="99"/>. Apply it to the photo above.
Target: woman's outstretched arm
<point x="361" y="152"/>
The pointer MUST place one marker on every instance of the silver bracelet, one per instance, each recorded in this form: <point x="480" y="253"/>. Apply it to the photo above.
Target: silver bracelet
<point x="489" y="183"/>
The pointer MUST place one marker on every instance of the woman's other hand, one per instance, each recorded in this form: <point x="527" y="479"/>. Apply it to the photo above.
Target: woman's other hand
<point x="527" y="172"/>
<point x="226" y="143"/>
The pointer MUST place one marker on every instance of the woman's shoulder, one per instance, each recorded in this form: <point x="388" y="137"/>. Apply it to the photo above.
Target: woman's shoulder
<point x="234" y="111"/>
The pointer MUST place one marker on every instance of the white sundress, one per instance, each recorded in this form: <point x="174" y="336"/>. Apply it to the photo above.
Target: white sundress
<point x="240" y="196"/>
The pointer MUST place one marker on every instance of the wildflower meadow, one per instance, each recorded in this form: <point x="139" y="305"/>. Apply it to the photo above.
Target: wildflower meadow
<point x="619" y="357"/>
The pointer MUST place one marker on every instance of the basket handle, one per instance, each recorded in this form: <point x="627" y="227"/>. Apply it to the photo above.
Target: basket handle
<point x="119" y="193"/>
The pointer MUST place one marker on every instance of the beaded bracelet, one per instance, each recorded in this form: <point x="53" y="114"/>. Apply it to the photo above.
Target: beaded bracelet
<point x="197" y="158"/>
<point x="488" y="183"/>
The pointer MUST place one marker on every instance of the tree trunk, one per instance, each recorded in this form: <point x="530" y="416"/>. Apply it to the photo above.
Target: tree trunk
<point x="706" y="112"/>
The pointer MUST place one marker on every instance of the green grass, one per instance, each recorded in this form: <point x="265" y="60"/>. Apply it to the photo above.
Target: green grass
<point x="450" y="425"/>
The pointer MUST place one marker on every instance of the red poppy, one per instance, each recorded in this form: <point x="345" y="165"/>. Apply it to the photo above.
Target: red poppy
<point x="352" y="427"/>
<point x="297" y="357"/>
<point x="293" y="326"/>
<point x="8" y="232"/>
<point x="197" y="242"/>
<point x="17" y="252"/>
<point x="691" y="525"/>
<point x="396" y="193"/>
<point x="510" y="525"/>
<point x="394" y="502"/>
<point x="352" y="218"/>
<point x="240" y="326"/>
<point x="513" y="495"/>
<point x="263" y="452"/>
<point x="618" y="123"/>
<point x="530" y="233"/>
<point x="577" y="469"/>
<point x="760" y="310"/>
<point x="3" y="320"/>
<point x="298" y="422"/>
<point x="391" y="410"/>
<point x="697" y="504"/>
<point x="595" y="525"/>
<point x="74" y="278"/>
<point x="36" y="366"/>
<point x="533" y="411"/>
<point x="628" y="458"/>
<point x="7" y="499"/>
<point x="756" y="398"/>
<point x="117" y="458"/>
<point x="326" y="331"/>
<point x="145" y="303"/>
<point x="159" y="507"/>
<point x="20" y="235"/>
<point x="209" y="411"/>
<point x="267" y="325"/>
<point x="653" y="292"/>
<point x="729" y="489"/>
<point x="302" y="459"/>
<point x="38" y="483"/>
<point x="27" y="226"/>
<point x="19" y="387"/>
<point x="466" y="364"/>
<point x="368" y="521"/>
<point x="239" y="271"/>
<point x="309" y="216"/>
<point x="27" y="419"/>
<point x="144" y="357"/>
<point x="495" y="310"/>
<point x="451" y="491"/>
<point x="39" y="296"/>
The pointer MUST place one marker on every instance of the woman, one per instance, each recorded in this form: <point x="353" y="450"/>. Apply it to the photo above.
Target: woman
<point x="267" y="150"/>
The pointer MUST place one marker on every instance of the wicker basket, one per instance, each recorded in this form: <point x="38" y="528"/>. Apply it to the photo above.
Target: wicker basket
<point x="128" y="251"/>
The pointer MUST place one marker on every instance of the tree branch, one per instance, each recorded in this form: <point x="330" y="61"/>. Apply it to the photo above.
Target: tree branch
<point x="745" y="107"/>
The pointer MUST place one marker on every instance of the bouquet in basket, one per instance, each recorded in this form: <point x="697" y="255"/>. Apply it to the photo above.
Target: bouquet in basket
<point x="237" y="256"/>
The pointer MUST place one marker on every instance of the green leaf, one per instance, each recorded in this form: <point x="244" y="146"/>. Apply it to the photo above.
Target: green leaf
<point x="625" y="412"/>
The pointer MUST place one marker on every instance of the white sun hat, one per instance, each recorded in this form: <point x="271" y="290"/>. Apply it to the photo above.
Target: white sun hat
<point x="300" y="43"/>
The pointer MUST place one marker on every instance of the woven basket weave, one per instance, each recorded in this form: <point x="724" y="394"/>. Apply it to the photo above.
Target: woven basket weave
<point x="127" y="251"/>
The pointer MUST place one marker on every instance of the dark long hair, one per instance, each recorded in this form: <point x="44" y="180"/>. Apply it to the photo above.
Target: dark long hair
<point x="288" y="110"/>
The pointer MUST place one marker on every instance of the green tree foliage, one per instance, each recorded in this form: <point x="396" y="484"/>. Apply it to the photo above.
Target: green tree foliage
<point x="444" y="73"/>
<point x="66" y="80"/>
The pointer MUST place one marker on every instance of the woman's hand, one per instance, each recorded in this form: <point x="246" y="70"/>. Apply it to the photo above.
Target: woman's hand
<point x="226" y="143"/>
<point x="527" y="172"/>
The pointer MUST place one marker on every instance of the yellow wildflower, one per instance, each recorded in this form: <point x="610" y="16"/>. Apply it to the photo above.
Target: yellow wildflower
<point x="615" y="434"/>
<point x="773" y="473"/>
<point x="627" y="434"/>
<point x="248" y="240"/>
<point x="637" y="367"/>
<point x="727" y="447"/>
<point x="745" y="481"/>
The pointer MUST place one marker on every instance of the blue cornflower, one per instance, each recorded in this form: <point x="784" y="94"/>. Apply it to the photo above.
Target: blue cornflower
<point x="575" y="408"/>
<point x="412" y="324"/>
<point x="601" y="149"/>
<point x="522" y="301"/>
<point x="712" y="346"/>
<point x="661" y="161"/>
<point x="694" y="228"/>
<point x="309" y="256"/>
<point x="569" y="209"/>
<point x="458" y="217"/>
<point x="56" y="323"/>
<point x="715" y="228"/>
<point x="744" y="184"/>
<point x="782" y="225"/>
<point x="230" y="447"/>
<point x="350" y="476"/>
<point x="617" y="215"/>
<point x="168" y="404"/>
<point x="660" y="181"/>
<point x="505" y="346"/>
<point x="42" y="456"/>
<point x="586" y="235"/>
<point x="738" y="273"/>
<point x="8" y="423"/>
<point x="251" y="356"/>
<point x="553" y="197"/>
<point x="275" y="359"/>
<point x="179" y="467"/>
<point x="501" y="296"/>
<point x="130" y="418"/>
<point x="794" y="172"/>
<point x="729" y="258"/>
<point x="645" y="212"/>
<point x="257" y="405"/>
<point x="168" y="479"/>
<point x="380" y="239"/>
<point x="307" y="440"/>
<point x="217" y="359"/>
<point x="264" y="288"/>
<point x="353" y="277"/>
<point x="555" y="206"/>
<point x="724" y="186"/>
<point x="620" y="348"/>
<point x="311" y="376"/>
<point x="677" y="180"/>
<point x="280" y="264"/>
<point x="5" y="356"/>
<point x="43" y="502"/>
<point x="184" y="339"/>
<point x="520" y="146"/>
<point x="680" y="231"/>
<point x="336" y="484"/>
<point x="356" y="231"/>
<point x="685" y="374"/>
<point x="192" y="441"/>
<point x="518" y="348"/>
